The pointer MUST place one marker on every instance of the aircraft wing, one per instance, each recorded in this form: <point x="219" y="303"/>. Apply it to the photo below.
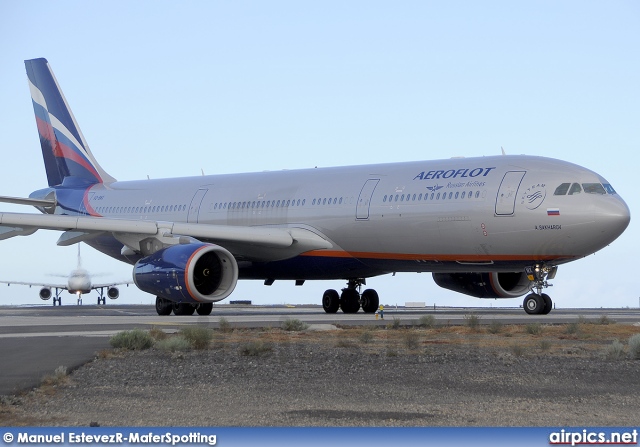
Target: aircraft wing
<point x="111" y="284"/>
<point x="38" y="284"/>
<point x="264" y="243"/>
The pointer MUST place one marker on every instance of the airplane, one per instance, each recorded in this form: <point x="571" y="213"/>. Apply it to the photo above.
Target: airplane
<point x="78" y="283"/>
<point x="489" y="227"/>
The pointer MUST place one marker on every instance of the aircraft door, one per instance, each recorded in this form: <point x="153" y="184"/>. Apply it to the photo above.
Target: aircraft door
<point x="506" y="198"/>
<point x="194" y="207"/>
<point x="364" y="199"/>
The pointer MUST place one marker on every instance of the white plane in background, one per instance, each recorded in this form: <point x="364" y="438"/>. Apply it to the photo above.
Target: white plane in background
<point x="490" y="227"/>
<point x="78" y="283"/>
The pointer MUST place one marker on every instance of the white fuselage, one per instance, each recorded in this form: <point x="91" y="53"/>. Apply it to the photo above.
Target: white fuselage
<point x="79" y="281"/>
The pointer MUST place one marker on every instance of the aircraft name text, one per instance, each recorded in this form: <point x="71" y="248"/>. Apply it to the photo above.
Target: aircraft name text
<point x="548" y="227"/>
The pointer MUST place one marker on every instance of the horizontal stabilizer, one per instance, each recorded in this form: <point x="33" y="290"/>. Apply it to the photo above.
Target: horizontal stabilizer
<point x="46" y="203"/>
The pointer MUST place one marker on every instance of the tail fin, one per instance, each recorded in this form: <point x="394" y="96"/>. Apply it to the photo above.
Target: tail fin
<point x="67" y="157"/>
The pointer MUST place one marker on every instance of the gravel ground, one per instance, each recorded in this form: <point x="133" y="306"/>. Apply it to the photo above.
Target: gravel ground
<point x="329" y="380"/>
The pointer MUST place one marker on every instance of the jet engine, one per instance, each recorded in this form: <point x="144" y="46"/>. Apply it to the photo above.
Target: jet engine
<point x="485" y="285"/>
<point x="194" y="272"/>
<point x="113" y="293"/>
<point x="45" y="293"/>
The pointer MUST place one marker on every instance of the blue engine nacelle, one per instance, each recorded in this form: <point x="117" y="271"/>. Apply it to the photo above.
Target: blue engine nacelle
<point x="193" y="273"/>
<point x="485" y="285"/>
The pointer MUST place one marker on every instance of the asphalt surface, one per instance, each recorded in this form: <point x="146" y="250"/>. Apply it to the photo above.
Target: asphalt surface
<point x="34" y="341"/>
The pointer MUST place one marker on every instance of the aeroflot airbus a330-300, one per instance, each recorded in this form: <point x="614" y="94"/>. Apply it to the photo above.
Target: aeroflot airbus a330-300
<point x="489" y="227"/>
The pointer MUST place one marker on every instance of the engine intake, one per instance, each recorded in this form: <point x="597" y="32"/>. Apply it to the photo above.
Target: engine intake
<point x="485" y="285"/>
<point x="113" y="293"/>
<point x="45" y="293"/>
<point x="200" y="273"/>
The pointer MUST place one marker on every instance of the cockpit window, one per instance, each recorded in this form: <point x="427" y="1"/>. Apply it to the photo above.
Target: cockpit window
<point x="609" y="188"/>
<point x="593" y="188"/>
<point x="575" y="189"/>
<point x="562" y="189"/>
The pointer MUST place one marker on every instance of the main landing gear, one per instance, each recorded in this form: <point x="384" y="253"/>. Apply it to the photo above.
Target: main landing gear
<point x="539" y="303"/>
<point x="165" y="307"/>
<point x="351" y="300"/>
<point x="101" y="298"/>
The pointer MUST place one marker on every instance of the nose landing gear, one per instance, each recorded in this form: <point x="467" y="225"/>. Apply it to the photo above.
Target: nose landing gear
<point x="538" y="303"/>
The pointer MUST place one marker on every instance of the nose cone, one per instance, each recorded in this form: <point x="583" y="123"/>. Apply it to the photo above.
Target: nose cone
<point x="612" y="218"/>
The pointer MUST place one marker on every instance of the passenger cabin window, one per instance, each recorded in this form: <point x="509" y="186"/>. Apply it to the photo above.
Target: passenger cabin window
<point x="562" y="189"/>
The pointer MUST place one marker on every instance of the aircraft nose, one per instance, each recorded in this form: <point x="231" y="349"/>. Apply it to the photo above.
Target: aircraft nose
<point x="613" y="217"/>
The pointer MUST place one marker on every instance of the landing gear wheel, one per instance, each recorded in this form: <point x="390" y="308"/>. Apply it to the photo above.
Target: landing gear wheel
<point x="548" y="304"/>
<point x="350" y="301"/>
<point x="163" y="307"/>
<point x="330" y="301"/>
<point x="183" y="309"/>
<point x="370" y="301"/>
<point x="533" y="304"/>
<point x="204" y="309"/>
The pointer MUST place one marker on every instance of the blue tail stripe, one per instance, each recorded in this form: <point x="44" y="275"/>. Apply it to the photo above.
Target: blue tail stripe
<point x="41" y="112"/>
<point x="40" y="76"/>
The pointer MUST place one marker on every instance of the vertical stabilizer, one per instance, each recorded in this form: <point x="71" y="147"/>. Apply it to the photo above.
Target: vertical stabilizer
<point x="79" y="258"/>
<point x="67" y="157"/>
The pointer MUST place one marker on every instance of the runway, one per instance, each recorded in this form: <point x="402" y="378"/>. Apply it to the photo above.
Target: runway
<point x="34" y="341"/>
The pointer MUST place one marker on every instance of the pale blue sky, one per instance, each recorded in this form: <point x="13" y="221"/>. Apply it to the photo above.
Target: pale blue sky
<point x="166" y="89"/>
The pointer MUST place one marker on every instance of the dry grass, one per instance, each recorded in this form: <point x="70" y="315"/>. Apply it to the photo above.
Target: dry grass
<point x="588" y="339"/>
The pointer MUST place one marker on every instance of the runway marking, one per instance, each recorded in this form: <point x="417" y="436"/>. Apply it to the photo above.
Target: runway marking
<point x="62" y="334"/>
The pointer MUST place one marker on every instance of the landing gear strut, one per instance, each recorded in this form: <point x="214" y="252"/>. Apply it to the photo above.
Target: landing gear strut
<point x="101" y="298"/>
<point x="57" y="298"/>
<point x="350" y="300"/>
<point x="538" y="303"/>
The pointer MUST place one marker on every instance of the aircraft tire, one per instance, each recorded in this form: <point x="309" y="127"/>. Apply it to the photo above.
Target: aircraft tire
<point x="370" y="301"/>
<point x="204" y="309"/>
<point x="350" y="301"/>
<point x="163" y="306"/>
<point x="533" y="304"/>
<point x="548" y="304"/>
<point x="330" y="301"/>
<point x="183" y="309"/>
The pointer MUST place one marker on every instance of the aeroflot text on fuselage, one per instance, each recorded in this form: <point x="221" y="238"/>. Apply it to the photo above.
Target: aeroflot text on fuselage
<point x="453" y="173"/>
